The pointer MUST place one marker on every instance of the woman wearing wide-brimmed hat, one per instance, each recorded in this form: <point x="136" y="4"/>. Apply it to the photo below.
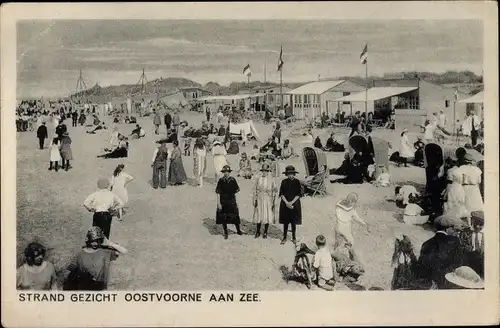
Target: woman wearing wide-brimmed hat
<point x="264" y="198"/>
<point x="290" y="212"/>
<point x="227" y="207"/>
<point x="199" y="161"/>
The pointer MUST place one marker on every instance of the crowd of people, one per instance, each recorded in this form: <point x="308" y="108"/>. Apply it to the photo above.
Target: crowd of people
<point x="452" y="201"/>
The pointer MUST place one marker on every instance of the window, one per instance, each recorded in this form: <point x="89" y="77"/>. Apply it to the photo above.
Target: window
<point x="413" y="102"/>
<point x="446" y="103"/>
<point x="345" y="94"/>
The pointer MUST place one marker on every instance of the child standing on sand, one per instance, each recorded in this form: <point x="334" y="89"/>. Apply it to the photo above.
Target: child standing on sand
<point x="345" y="211"/>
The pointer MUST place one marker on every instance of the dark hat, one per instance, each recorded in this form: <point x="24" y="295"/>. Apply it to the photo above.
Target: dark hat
<point x="265" y="167"/>
<point x="290" y="169"/>
<point x="226" y="168"/>
<point x="477" y="216"/>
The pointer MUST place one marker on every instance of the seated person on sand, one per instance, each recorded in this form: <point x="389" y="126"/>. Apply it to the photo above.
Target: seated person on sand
<point x="245" y="167"/>
<point x="349" y="266"/>
<point x="355" y="169"/>
<point x="101" y="126"/>
<point x="287" y="150"/>
<point x="317" y="143"/>
<point x="403" y="194"/>
<point x="255" y="154"/>
<point x="316" y="182"/>
<point x="120" y="151"/>
<point x="414" y="214"/>
<point x="419" y="152"/>
<point x="384" y="178"/>
<point x="333" y="145"/>
<point x="96" y="120"/>
<point x="138" y="132"/>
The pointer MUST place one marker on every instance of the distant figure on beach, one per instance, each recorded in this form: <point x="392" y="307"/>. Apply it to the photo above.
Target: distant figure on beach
<point x="42" y="134"/>
<point x="159" y="165"/>
<point x="176" y="173"/>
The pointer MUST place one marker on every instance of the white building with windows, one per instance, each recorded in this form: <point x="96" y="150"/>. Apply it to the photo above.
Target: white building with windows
<point x="412" y="99"/>
<point x="317" y="97"/>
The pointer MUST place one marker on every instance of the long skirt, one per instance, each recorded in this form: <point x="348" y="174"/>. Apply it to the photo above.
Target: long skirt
<point x="160" y="174"/>
<point x="287" y="215"/>
<point x="473" y="199"/>
<point x="229" y="213"/>
<point x="103" y="221"/>
<point x="176" y="173"/>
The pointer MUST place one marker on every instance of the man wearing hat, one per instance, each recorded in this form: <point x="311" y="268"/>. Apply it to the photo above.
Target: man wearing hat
<point x="42" y="134"/>
<point x="473" y="242"/>
<point x="440" y="254"/>
<point x="101" y="203"/>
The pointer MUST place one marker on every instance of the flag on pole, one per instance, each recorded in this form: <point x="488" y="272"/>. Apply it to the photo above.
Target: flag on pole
<point x="456" y="94"/>
<point x="247" y="71"/>
<point x="364" y="55"/>
<point x="280" y="61"/>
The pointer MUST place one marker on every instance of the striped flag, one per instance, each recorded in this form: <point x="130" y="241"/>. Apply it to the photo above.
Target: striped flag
<point x="280" y="61"/>
<point x="247" y="71"/>
<point x="364" y="55"/>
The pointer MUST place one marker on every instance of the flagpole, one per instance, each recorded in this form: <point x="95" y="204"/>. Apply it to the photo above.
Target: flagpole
<point x="366" y="87"/>
<point x="281" y="86"/>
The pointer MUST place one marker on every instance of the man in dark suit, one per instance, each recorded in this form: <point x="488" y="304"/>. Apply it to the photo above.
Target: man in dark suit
<point x="440" y="254"/>
<point x="42" y="134"/>
<point x="168" y="121"/>
<point x="354" y="124"/>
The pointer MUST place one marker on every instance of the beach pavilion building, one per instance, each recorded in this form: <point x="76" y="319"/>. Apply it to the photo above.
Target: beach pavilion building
<point x="317" y="97"/>
<point x="412" y="99"/>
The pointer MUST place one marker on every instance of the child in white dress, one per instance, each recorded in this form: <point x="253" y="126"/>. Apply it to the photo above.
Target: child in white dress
<point x="119" y="180"/>
<point x="345" y="211"/>
<point x="55" y="154"/>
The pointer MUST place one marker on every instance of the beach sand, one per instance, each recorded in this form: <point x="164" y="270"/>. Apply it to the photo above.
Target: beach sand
<point x="171" y="235"/>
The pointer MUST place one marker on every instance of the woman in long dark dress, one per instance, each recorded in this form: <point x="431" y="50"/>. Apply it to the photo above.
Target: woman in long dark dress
<point x="227" y="207"/>
<point x="290" y="208"/>
<point x="176" y="172"/>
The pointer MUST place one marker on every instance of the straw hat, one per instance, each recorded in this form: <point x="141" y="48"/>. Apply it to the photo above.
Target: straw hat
<point x="404" y="130"/>
<point x="265" y="167"/>
<point x="290" y="169"/>
<point x="103" y="183"/>
<point x="465" y="277"/>
<point x="226" y="168"/>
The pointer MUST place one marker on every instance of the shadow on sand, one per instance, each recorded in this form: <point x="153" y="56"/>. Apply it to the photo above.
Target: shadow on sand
<point x="248" y="228"/>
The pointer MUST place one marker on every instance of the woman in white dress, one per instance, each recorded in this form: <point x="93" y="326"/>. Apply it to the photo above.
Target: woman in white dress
<point x="55" y="154"/>
<point x="265" y="191"/>
<point x="118" y="184"/>
<point x="405" y="148"/>
<point x="199" y="161"/>
<point x="455" y="195"/>
<point x="219" y="153"/>
<point x="471" y="179"/>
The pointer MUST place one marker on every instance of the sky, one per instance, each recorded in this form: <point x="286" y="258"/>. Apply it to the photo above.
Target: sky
<point x="112" y="52"/>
